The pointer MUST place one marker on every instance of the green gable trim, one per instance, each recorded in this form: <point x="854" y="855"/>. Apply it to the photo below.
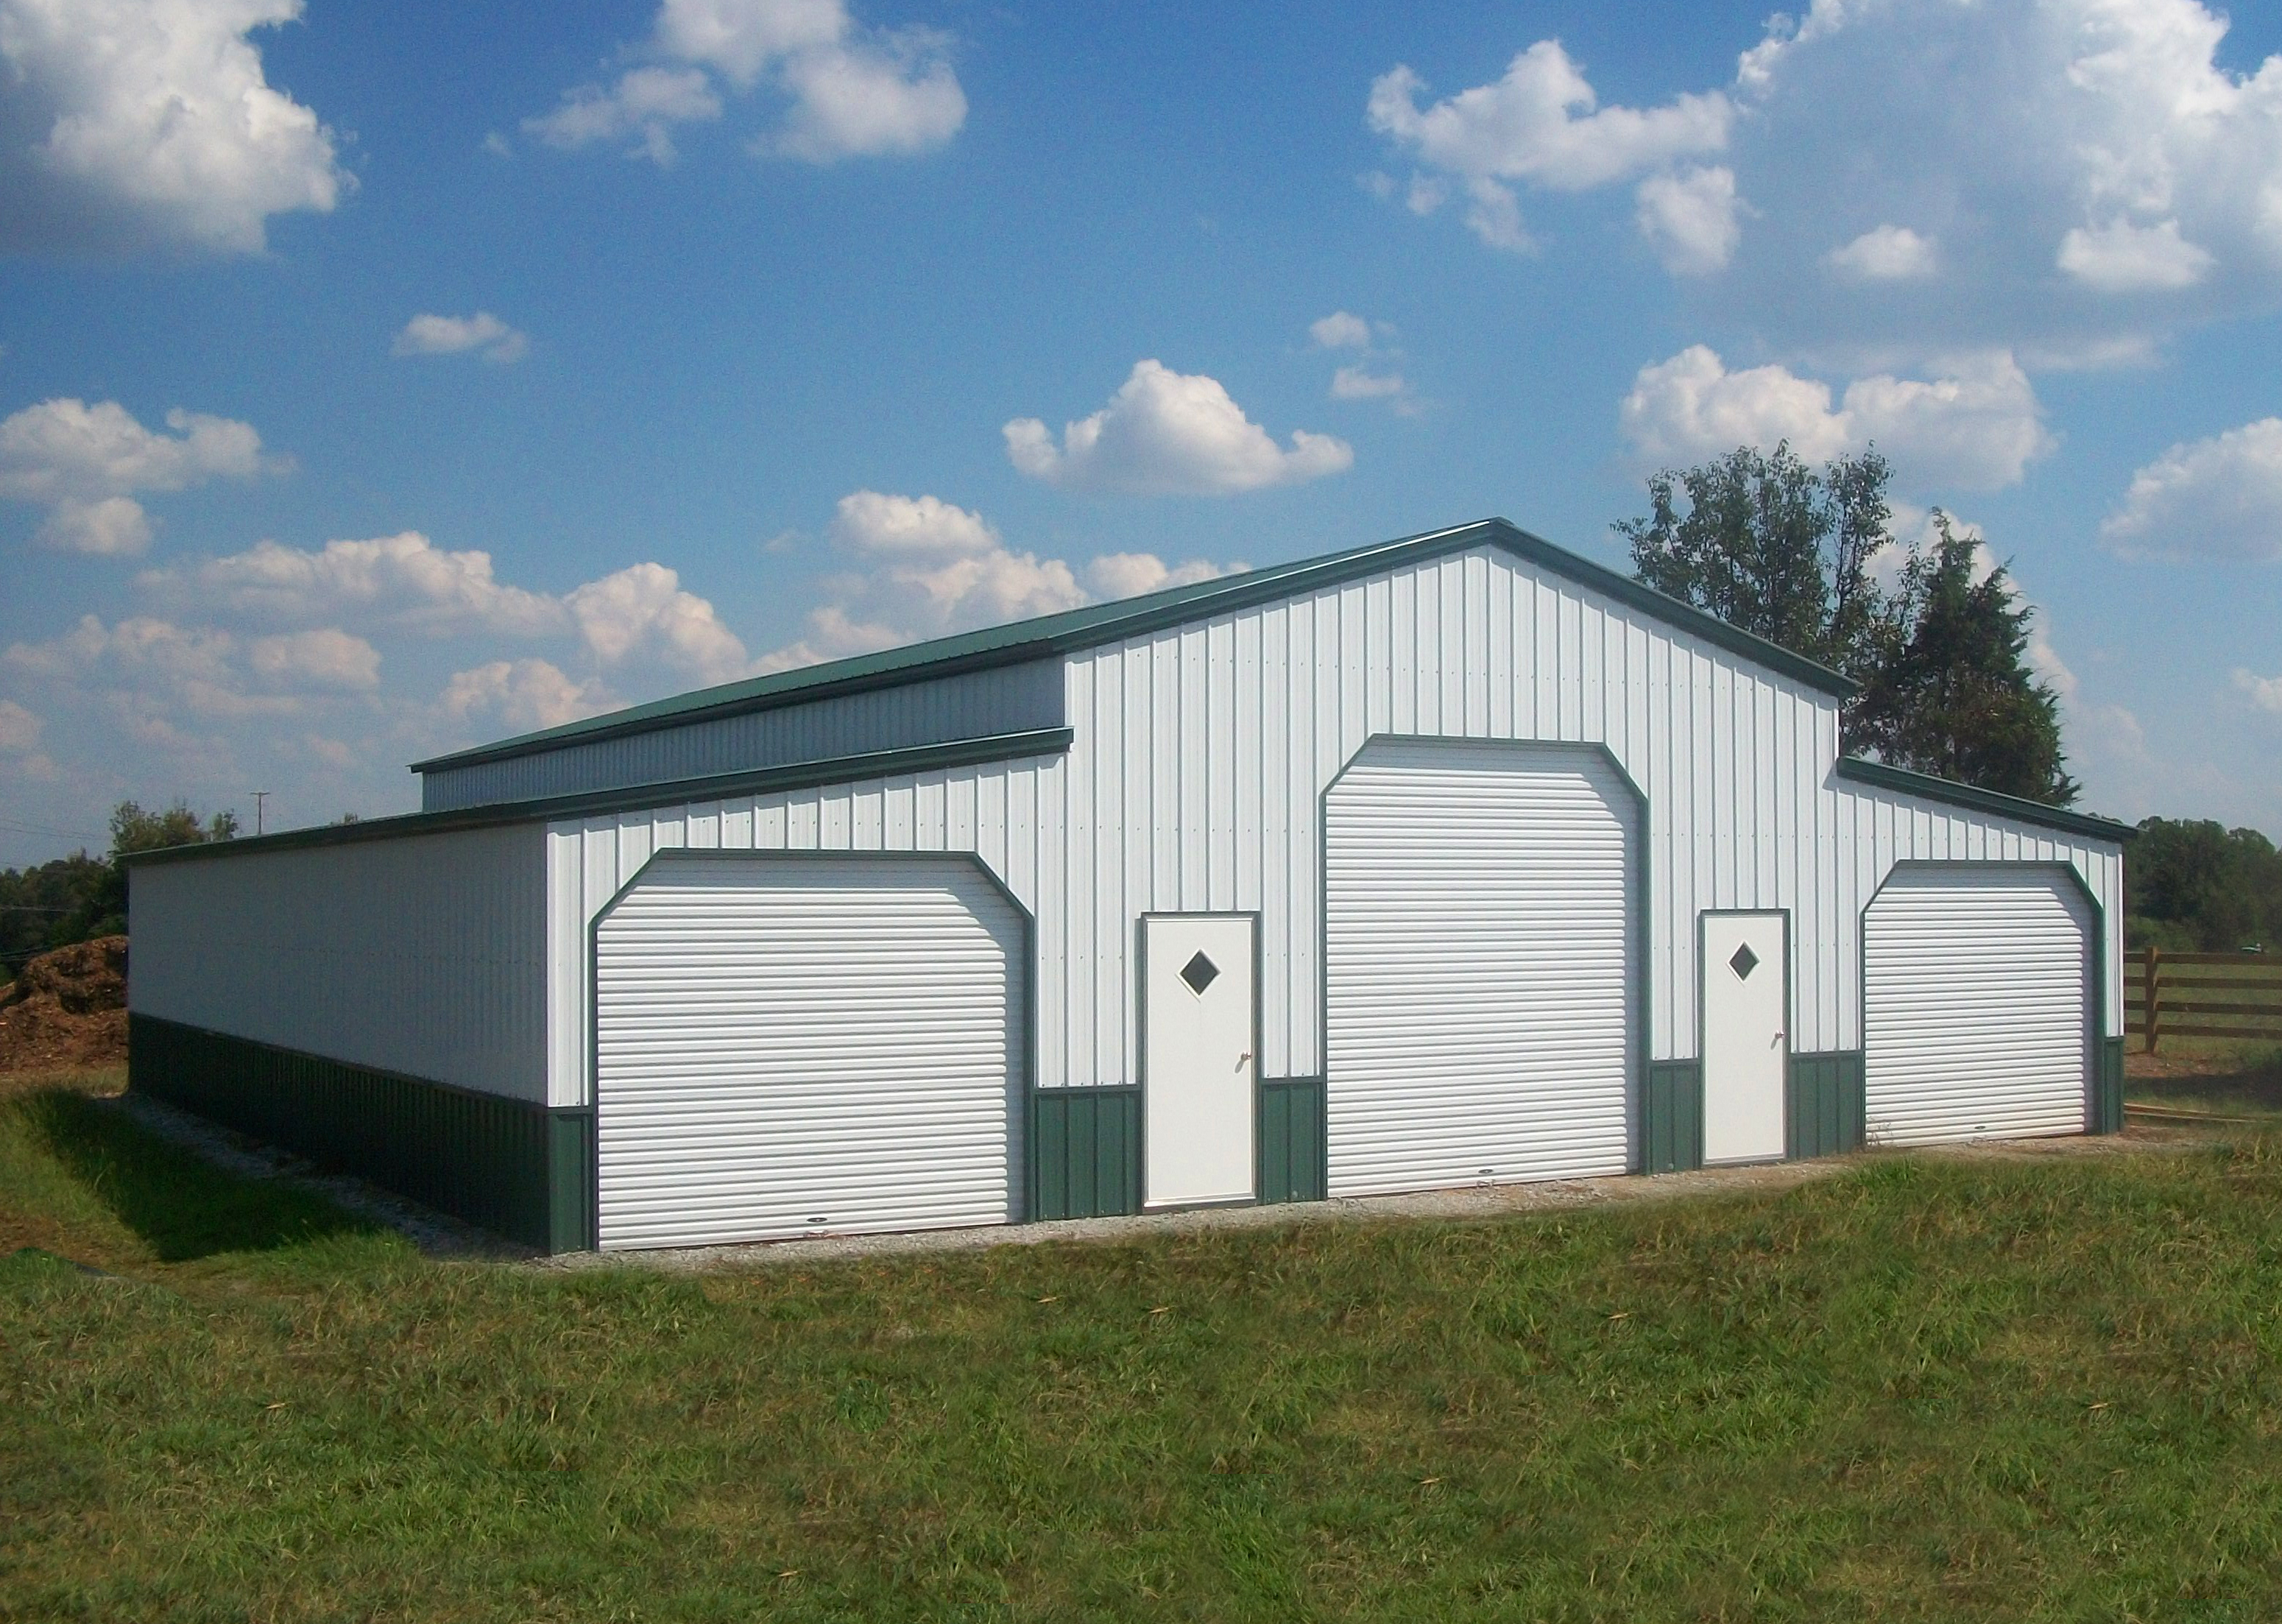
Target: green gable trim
<point x="1073" y="630"/>
<point x="1823" y="1115"/>
<point x="1083" y="1151"/>
<point x="1932" y="788"/>
<point x="1672" y="1116"/>
<point x="584" y="803"/>
<point x="510" y="1166"/>
<point x="1290" y="1137"/>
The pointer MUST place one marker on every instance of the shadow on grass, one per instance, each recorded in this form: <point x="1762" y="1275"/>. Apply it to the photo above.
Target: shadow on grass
<point x="181" y="1205"/>
<point x="2249" y="1078"/>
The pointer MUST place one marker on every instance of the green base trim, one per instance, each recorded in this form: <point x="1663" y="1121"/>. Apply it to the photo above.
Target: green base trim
<point x="1824" y="1112"/>
<point x="1672" y="1116"/>
<point x="1084" y="1152"/>
<point x="510" y="1166"/>
<point x="1291" y="1139"/>
<point x="2108" y="1086"/>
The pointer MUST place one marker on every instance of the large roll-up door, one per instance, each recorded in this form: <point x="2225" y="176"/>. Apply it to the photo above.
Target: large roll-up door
<point x="787" y="1044"/>
<point x="1976" y="1003"/>
<point x="1479" y="997"/>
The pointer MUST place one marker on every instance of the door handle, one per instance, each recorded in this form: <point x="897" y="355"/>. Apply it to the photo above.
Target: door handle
<point x="1777" y="1039"/>
<point x="1242" y="1058"/>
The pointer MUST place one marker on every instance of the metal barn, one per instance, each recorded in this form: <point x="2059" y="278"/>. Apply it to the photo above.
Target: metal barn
<point x="1455" y="859"/>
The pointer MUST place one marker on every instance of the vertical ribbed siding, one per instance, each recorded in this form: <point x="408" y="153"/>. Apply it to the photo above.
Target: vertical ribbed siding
<point x="1478" y="966"/>
<point x="1976" y="994"/>
<point x="1672" y="1117"/>
<point x="1290" y="1140"/>
<point x="424" y="956"/>
<point x="1825" y="1107"/>
<point x="969" y="704"/>
<point x="1085" y="1153"/>
<point x="508" y="1165"/>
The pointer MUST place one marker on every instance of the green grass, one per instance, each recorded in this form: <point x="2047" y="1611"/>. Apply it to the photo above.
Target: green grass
<point x="1921" y="1389"/>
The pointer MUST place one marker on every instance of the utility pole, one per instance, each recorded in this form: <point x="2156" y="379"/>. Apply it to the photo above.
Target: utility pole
<point x="259" y="796"/>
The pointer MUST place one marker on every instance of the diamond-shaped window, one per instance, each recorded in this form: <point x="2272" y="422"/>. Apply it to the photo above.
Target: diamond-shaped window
<point x="1744" y="962"/>
<point x="1199" y="973"/>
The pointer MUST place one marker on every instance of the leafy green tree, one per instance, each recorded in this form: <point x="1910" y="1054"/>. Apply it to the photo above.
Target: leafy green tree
<point x="1955" y="695"/>
<point x="103" y="903"/>
<point x="1770" y="546"/>
<point x="1785" y="551"/>
<point x="2199" y="886"/>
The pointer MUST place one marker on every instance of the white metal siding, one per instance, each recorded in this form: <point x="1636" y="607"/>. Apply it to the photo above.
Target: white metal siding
<point x="1479" y="967"/>
<point x="1976" y="1005"/>
<point x="788" y="1045"/>
<point x="1201" y="755"/>
<point x="971" y="704"/>
<point x="424" y="955"/>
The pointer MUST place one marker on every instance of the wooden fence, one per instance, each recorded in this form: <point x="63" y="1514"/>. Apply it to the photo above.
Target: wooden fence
<point x="2202" y="995"/>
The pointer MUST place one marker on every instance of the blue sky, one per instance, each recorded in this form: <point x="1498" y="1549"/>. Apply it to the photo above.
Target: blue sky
<point x="379" y="379"/>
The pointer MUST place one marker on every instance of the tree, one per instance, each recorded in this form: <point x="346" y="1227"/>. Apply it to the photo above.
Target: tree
<point x="2198" y="887"/>
<point x="103" y="903"/>
<point x="1782" y="550"/>
<point x="1771" y="546"/>
<point x="1955" y="696"/>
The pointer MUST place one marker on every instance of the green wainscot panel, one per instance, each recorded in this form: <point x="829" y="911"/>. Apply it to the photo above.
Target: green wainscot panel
<point x="1672" y="1116"/>
<point x="510" y="1166"/>
<point x="1291" y="1139"/>
<point x="2107" y="1087"/>
<point x="1825" y="1108"/>
<point x="1084" y="1148"/>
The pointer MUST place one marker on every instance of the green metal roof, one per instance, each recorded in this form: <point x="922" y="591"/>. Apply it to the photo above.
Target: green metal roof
<point x="1105" y="622"/>
<point x="1932" y="788"/>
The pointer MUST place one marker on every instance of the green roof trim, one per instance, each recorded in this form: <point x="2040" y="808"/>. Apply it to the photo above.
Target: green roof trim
<point x="1925" y="784"/>
<point x="1076" y="629"/>
<point x="593" y="803"/>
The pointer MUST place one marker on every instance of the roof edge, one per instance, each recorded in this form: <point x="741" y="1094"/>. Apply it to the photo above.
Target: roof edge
<point x="587" y="803"/>
<point x="1076" y="630"/>
<point x="1863" y="771"/>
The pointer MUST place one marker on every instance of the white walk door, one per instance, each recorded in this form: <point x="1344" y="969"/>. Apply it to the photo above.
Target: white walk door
<point x="1976" y="1003"/>
<point x="1197" y="1064"/>
<point x="787" y="1043"/>
<point x="1746" y="983"/>
<point x="1478" y="968"/>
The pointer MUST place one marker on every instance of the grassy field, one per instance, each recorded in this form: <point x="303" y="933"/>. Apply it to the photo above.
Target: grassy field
<point x="1923" y="1389"/>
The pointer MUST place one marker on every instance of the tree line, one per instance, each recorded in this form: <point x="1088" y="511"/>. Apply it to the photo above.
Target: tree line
<point x="74" y="898"/>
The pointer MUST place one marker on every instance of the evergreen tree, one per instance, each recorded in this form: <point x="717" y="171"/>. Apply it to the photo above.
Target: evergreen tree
<point x="1955" y="696"/>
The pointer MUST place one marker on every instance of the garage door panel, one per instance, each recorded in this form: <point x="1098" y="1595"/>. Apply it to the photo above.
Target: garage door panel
<point x="1478" y="945"/>
<point x="1976" y="1005"/>
<point x="784" y="1044"/>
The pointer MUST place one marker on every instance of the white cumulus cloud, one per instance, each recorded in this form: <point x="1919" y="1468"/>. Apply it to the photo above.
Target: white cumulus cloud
<point x="2119" y="257"/>
<point x="2219" y="498"/>
<point x="2263" y="692"/>
<point x="521" y="695"/>
<point x="404" y="580"/>
<point x="327" y="657"/>
<point x="1885" y="254"/>
<point x="457" y="335"/>
<point x="1340" y="330"/>
<point x="85" y="464"/>
<point x="846" y="91"/>
<point x="642" y="609"/>
<point x="20" y="729"/>
<point x="129" y="123"/>
<point x="1688" y="217"/>
<point x="1170" y="433"/>
<point x="1977" y="428"/>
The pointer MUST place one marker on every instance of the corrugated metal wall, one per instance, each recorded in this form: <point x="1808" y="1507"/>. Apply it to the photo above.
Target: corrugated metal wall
<point x="1196" y="780"/>
<point x="1005" y="699"/>
<point x="424" y="955"/>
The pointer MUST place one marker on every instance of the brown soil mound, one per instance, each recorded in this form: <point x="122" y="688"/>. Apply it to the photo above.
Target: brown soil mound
<point x="67" y="1009"/>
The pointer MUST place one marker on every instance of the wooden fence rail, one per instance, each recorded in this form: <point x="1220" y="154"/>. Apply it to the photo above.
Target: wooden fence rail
<point x="2160" y="1001"/>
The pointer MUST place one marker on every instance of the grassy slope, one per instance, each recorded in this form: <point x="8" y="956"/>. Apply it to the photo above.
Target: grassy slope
<point x="1924" y="1390"/>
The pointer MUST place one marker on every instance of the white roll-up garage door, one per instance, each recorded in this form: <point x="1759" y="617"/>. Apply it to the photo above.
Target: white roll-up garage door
<point x="786" y="1043"/>
<point x="1479" y="961"/>
<point x="1976" y="1005"/>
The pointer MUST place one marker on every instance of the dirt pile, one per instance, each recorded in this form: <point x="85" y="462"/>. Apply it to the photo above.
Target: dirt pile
<point x="67" y="1009"/>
